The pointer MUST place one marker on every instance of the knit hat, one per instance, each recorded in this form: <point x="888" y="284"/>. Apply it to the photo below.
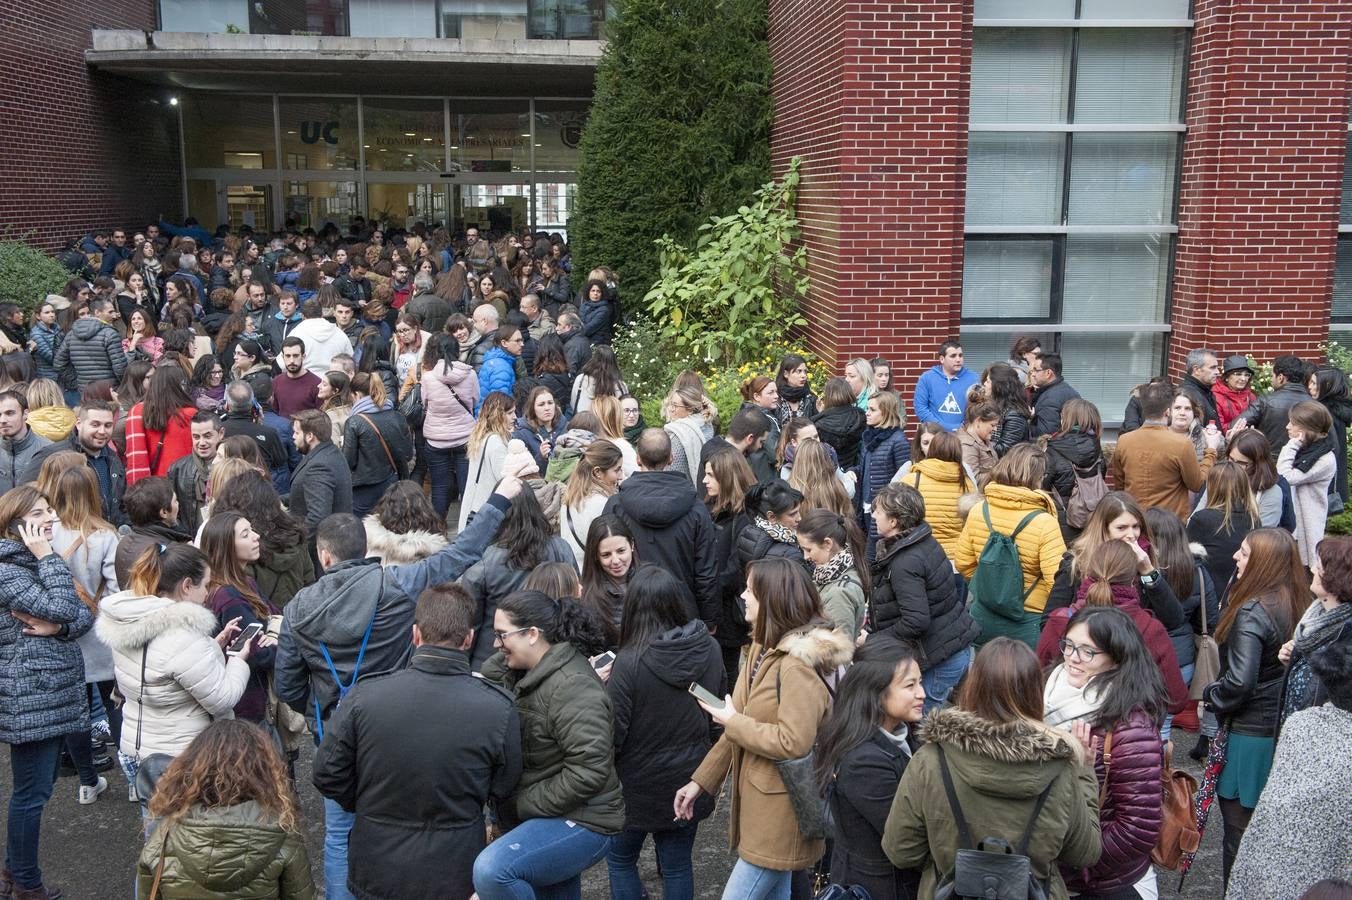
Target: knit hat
<point x="519" y="463"/>
<point x="1235" y="364"/>
<point x="57" y="301"/>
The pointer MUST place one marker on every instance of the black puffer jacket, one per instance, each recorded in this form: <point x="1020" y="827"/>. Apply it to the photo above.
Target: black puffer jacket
<point x="1249" y="692"/>
<point x="915" y="599"/>
<point x="734" y="630"/>
<point x="1066" y="451"/>
<point x="1047" y="403"/>
<point x="1270" y="413"/>
<point x="672" y="529"/>
<point x="842" y="427"/>
<point x="366" y="455"/>
<point x="1340" y="409"/>
<point x="661" y="734"/>
<point x="754" y="542"/>
<point x="93" y="351"/>
<point x="1012" y="430"/>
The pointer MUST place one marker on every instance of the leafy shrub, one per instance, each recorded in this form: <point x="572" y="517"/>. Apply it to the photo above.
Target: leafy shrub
<point x="27" y="275"/>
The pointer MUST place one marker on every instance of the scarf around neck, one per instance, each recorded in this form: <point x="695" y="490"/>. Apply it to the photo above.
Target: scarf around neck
<point x="824" y="575"/>
<point x="1064" y="703"/>
<point x="793" y="394"/>
<point x="777" y="532"/>
<point x="1323" y="629"/>
<point x="1309" y="454"/>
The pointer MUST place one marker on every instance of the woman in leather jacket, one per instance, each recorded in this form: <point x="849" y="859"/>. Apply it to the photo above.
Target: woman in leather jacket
<point x="1005" y="389"/>
<point x="1264" y="603"/>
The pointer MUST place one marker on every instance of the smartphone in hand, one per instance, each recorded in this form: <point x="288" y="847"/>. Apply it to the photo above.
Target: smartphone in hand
<point x="603" y="660"/>
<point x="242" y="639"/>
<point x="704" y="696"/>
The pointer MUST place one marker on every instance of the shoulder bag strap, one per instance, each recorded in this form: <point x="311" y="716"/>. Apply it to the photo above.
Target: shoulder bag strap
<point x="567" y="511"/>
<point x="1107" y="766"/>
<point x="141" y="699"/>
<point x="1027" y="836"/>
<point x="1201" y="586"/>
<point x="380" y="437"/>
<point x="917" y="480"/>
<point x="159" y="868"/>
<point x="965" y="833"/>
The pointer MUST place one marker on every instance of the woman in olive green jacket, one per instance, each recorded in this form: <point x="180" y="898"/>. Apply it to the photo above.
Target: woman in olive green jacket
<point x="568" y="804"/>
<point x="1001" y="758"/>
<point x="242" y="842"/>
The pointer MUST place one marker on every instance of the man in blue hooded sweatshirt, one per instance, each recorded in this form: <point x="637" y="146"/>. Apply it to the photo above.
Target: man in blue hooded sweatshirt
<point x="941" y="393"/>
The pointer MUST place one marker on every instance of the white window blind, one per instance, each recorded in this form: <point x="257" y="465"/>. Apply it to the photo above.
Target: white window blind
<point x="1129" y="76"/>
<point x="1025" y="9"/>
<point x="1342" y="280"/>
<point x="1136" y="9"/>
<point x="1006" y="279"/>
<point x="1345" y="212"/>
<point x="1014" y="179"/>
<point x="1116" y="280"/>
<point x="1020" y="74"/>
<point x="1122" y="178"/>
<point x="1105" y="367"/>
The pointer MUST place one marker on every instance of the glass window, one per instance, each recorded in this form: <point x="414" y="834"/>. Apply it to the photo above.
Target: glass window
<point x="1014" y="179"/>
<point x="406" y="204"/>
<point x="980" y="349"/>
<point x="203" y="15"/>
<point x="1105" y="367"/>
<point x="554" y="202"/>
<point x="1117" y="279"/>
<point x="1122" y="178"/>
<point x="392" y="18"/>
<point x="567" y="19"/>
<point x="1007" y="279"/>
<point x="1025" y="9"/>
<point x="1342" y="281"/>
<point x="202" y="202"/>
<point x="1345" y="213"/>
<point x="558" y="129"/>
<point x="495" y="20"/>
<point x="490" y="135"/>
<point x="404" y="135"/>
<point x="493" y="207"/>
<point x="312" y="204"/>
<point x="319" y="132"/>
<point x="1020" y="74"/>
<point x="1129" y="75"/>
<point x="1137" y="9"/>
<point x="222" y="131"/>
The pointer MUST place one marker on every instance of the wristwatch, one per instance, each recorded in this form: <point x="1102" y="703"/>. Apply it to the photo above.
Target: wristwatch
<point x="1149" y="578"/>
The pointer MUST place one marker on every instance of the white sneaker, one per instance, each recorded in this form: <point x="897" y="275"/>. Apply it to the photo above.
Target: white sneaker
<point x="90" y="793"/>
<point x="132" y="796"/>
<point x="101" y="732"/>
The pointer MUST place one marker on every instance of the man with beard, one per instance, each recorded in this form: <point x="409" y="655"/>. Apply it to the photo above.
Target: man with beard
<point x="93" y="429"/>
<point x="322" y="483"/>
<point x="296" y="388"/>
<point x="189" y="474"/>
<point x="18" y="442"/>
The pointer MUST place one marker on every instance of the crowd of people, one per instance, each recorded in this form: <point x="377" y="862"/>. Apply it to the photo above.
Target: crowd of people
<point x="231" y="466"/>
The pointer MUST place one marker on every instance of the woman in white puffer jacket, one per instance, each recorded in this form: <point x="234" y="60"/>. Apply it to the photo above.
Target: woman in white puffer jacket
<point x="175" y="676"/>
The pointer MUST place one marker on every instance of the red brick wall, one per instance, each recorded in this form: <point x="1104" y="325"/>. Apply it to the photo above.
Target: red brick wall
<point x="1261" y="178"/>
<point x="873" y="94"/>
<point x="79" y="149"/>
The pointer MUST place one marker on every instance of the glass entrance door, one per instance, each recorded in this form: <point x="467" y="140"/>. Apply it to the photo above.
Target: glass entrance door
<point x="403" y="204"/>
<point x="246" y="204"/>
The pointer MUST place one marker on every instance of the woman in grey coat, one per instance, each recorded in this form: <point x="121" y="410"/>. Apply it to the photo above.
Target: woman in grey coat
<point x="42" y="691"/>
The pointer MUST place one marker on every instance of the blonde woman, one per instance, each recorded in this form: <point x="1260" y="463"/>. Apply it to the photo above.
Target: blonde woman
<point x="487" y="451"/>
<point x="48" y="414"/>
<point x="595" y="479"/>
<point x="611" y="415"/>
<point x="688" y="413"/>
<point x="859" y="375"/>
<point x="816" y="477"/>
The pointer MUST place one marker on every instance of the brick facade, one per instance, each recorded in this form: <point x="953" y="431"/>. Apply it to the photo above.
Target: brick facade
<point x="873" y="94"/>
<point x="79" y="149"/>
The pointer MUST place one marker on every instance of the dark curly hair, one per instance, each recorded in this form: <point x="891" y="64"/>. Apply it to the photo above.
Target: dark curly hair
<point x="256" y="500"/>
<point x="404" y="508"/>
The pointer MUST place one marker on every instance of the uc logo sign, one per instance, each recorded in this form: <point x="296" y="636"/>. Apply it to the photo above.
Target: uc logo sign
<point x="311" y="132"/>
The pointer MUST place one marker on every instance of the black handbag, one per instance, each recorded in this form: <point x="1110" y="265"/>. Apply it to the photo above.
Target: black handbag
<point x="411" y="406"/>
<point x="809" y="804"/>
<point x="149" y="768"/>
<point x="840" y="892"/>
<point x="1002" y="873"/>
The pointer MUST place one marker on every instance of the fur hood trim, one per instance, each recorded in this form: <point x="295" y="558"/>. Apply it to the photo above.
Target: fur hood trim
<point x="1010" y="742"/>
<point x="128" y="621"/>
<point x="820" y="646"/>
<point x="399" y="549"/>
<point x="1197" y="550"/>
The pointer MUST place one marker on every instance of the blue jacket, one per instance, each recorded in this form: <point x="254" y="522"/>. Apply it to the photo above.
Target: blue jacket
<point x="532" y="437"/>
<point x="111" y="257"/>
<point x="44" y="354"/>
<point x="287" y="280"/>
<point x="881" y="453"/>
<point x="497" y="374"/>
<point x="43" y="677"/>
<point x="941" y="399"/>
<point x="598" y="320"/>
<point x="196" y="232"/>
<point x="282" y="425"/>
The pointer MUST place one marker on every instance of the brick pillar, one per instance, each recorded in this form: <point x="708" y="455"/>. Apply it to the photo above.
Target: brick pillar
<point x="873" y="95"/>
<point x="1261" y="178"/>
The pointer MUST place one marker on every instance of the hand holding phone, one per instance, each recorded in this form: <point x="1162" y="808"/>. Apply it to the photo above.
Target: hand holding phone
<point x="245" y="637"/>
<point x="600" y="662"/>
<point x="706" y="697"/>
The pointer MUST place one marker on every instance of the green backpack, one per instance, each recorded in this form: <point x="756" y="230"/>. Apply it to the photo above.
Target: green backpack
<point x="562" y="463"/>
<point x="998" y="580"/>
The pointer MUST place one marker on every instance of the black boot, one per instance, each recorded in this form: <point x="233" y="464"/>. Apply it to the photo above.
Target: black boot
<point x="1201" y="748"/>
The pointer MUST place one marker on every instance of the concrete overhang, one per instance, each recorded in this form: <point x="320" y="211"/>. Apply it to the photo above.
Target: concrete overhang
<point x="346" y="65"/>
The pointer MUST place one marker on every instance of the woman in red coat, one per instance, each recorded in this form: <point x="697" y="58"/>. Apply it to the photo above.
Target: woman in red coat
<point x="1108" y="692"/>
<point x="1110" y="580"/>
<point x="159" y="428"/>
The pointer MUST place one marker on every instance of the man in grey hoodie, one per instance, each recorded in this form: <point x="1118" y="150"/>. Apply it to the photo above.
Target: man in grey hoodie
<point x="18" y="443"/>
<point x="93" y="349"/>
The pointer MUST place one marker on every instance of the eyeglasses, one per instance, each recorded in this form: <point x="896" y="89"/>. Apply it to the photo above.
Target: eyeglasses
<point x="631" y="412"/>
<point x="1079" y="651"/>
<point x="500" y="636"/>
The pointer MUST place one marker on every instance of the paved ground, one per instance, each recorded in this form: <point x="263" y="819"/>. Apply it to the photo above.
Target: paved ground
<point x="91" y="850"/>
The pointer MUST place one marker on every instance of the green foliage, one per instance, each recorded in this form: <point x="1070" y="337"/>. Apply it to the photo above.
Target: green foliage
<point x="1339" y="524"/>
<point x="1262" y="376"/>
<point x="1338" y="356"/>
<point x="737" y="291"/>
<point x="27" y="275"/>
<point x="679" y="129"/>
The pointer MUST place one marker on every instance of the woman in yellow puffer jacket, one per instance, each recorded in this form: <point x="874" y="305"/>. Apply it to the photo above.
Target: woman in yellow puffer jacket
<point x="48" y="414"/>
<point x="1014" y="499"/>
<point x="941" y="480"/>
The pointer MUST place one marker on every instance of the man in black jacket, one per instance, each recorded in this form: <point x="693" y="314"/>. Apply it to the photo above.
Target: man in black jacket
<point x="354" y="285"/>
<point x="188" y="474"/>
<point x="415" y="755"/>
<point x="671" y="528"/>
<point x="322" y="483"/>
<point x="240" y="409"/>
<point x="93" y="429"/>
<point x="1203" y="370"/>
<point x="1271" y="412"/>
<point x="577" y="346"/>
<point x="1050" y="393"/>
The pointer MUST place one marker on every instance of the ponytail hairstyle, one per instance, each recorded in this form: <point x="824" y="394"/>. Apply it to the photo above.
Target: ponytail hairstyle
<point x="1229" y="491"/>
<point x="227" y="570"/>
<point x="1135" y="681"/>
<point x="819" y="525"/>
<point x="601" y="455"/>
<point x="857" y="713"/>
<point x="947" y="447"/>
<point x="764" y="498"/>
<point x="160" y="568"/>
<point x="371" y="386"/>
<point x="1111" y="563"/>
<point x="752" y="387"/>
<point x="788" y="436"/>
<point x="559" y="621"/>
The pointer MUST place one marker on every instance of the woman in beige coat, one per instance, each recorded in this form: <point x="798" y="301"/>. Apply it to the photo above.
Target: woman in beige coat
<point x="778" y="703"/>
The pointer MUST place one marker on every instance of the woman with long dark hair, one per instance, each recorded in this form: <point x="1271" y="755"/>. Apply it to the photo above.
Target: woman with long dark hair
<point x="1266" y="600"/>
<point x="772" y="714"/>
<point x="608" y="566"/>
<point x="1005" y="391"/>
<point x="449" y="391"/>
<point x="231" y="544"/>
<point x="727" y="478"/>
<point x="551" y="369"/>
<point x="796" y="400"/>
<point x="335" y="399"/>
<point x="1107" y="681"/>
<point x="1329" y="386"/>
<point x="540" y="424"/>
<point x="208" y="384"/>
<point x="569" y="803"/>
<point x="1221" y="521"/>
<point x="524" y="540"/>
<point x="226" y="797"/>
<point x="284" y="563"/>
<point x="1251" y="451"/>
<point x="661" y="734"/>
<point x="840" y="424"/>
<point x="376" y="442"/>
<point x="600" y="375"/>
<point x="835" y="546"/>
<point x="159" y="428"/>
<point x="862" y="751"/>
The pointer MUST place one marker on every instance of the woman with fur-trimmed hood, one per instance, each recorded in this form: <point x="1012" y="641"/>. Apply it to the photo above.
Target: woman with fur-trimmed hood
<point x="1001" y="758"/>
<point x="404" y="527"/>
<point x="780" y="699"/>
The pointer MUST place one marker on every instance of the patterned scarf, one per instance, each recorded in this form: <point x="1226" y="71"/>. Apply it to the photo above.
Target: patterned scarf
<point x="777" y="532"/>
<point x="824" y="575"/>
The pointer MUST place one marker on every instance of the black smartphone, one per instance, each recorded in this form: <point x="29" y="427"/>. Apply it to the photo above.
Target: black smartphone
<point x="603" y="660"/>
<point x="251" y="631"/>
<point x="705" y="696"/>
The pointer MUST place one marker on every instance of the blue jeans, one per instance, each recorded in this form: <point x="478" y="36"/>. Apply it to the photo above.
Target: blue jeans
<point x="33" y="769"/>
<point x="337" y="826"/>
<point x="750" y="882"/>
<point x="1168" y="728"/>
<point x="542" y="858"/>
<point x="939" y="681"/>
<point x="673" y="859"/>
<point x="449" y="468"/>
<point x="366" y="496"/>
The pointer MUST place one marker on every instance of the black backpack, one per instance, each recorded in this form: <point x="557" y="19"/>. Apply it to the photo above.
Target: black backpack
<point x="1003" y="873"/>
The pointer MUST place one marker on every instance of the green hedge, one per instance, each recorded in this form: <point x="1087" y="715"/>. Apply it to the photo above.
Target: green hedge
<point x="27" y="276"/>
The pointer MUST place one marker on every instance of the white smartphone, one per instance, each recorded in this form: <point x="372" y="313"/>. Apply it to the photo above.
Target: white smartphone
<point x="705" y="696"/>
<point x="242" y="639"/>
<point x="603" y="660"/>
